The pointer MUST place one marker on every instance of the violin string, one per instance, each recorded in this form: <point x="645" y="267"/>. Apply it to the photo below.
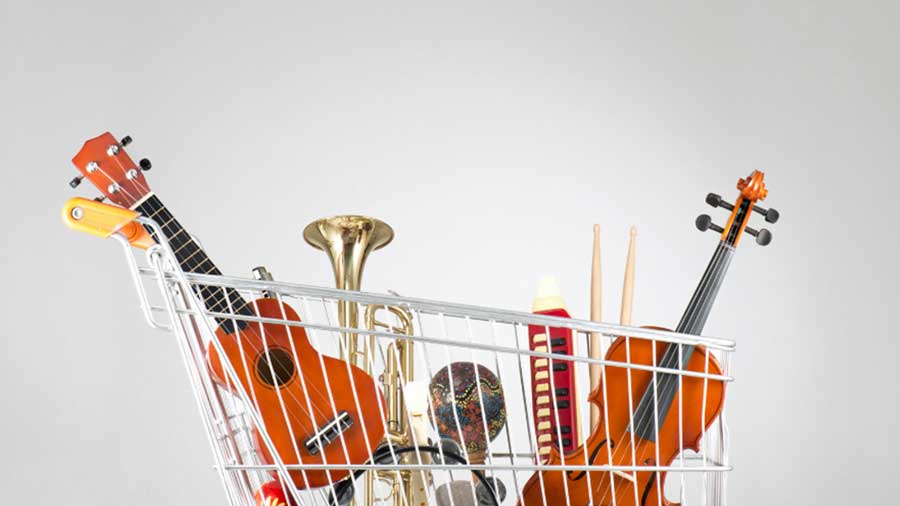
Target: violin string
<point x="694" y="326"/>
<point x="671" y="388"/>
<point x="707" y="298"/>
<point x="721" y="261"/>
<point x="708" y="276"/>
<point x="642" y="424"/>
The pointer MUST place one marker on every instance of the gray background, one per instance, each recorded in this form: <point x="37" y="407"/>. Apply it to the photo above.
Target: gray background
<point x="491" y="137"/>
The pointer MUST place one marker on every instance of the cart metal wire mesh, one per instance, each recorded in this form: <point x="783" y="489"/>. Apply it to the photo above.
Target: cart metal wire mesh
<point x="438" y="467"/>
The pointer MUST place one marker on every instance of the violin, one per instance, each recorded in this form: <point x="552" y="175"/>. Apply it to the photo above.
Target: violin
<point x="307" y="401"/>
<point x="648" y="435"/>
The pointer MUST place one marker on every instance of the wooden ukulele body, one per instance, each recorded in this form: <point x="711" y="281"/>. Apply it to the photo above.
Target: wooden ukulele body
<point x="278" y="381"/>
<point x="642" y="489"/>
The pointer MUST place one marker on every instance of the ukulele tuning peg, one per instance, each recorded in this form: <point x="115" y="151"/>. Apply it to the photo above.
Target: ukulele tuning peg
<point x="704" y="223"/>
<point x="101" y="198"/>
<point x="76" y="181"/>
<point x="715" y="200"/>
<point x="771" y="214"/>
<point x="145" y="164"/>
<point x="125" y="141"/>
<point x="763" y="236"/>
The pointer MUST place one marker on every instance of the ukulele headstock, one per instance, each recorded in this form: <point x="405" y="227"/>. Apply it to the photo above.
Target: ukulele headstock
<point x="752" y="190"/>
<point x="104" y="162"/>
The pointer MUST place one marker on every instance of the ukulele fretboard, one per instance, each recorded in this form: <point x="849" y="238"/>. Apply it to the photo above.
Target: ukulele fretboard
<point x="192" y="258"/>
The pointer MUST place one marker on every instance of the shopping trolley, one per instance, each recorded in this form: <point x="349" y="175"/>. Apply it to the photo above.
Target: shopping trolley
<point x="425" y="457"/>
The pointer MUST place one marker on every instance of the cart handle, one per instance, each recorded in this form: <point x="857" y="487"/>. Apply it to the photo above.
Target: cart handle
<point x="104" y="220"/>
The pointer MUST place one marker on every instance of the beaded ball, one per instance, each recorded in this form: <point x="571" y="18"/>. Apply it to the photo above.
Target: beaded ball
<point x="471" y="413"/>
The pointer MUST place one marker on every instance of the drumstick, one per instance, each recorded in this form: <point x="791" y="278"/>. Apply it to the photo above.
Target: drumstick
<point x="628" y="285"/>
<point x="596" y="315"/>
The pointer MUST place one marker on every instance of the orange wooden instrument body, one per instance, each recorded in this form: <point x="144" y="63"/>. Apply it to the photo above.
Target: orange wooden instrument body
<point x="277" y="382"/>
<point x="598" y="487"/>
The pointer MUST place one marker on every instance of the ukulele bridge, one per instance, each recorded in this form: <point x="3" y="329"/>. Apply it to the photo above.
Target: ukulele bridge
<point x="328" y="433"/>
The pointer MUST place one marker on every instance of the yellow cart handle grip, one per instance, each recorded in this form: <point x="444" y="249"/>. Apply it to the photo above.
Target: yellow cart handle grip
<point x="104" y="220"/>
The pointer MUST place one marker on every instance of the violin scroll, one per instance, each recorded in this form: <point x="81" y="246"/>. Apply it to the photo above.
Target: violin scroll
<point x="752" y="189"/>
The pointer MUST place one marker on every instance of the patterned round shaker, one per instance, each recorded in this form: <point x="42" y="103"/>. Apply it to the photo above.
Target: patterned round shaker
<point x="459" y="413"/>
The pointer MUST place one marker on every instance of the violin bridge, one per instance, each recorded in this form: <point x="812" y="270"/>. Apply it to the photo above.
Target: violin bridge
<point x="623" y="474"/>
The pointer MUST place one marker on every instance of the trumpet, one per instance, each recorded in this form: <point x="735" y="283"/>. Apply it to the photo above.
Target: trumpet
<point x="348" y="240"/>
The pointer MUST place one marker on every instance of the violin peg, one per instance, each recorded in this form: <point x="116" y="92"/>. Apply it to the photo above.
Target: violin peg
<point x="704" y="223"/>
<point x="763" y="236"/>
<point x="771" y="215"/>
<point x="715" y="200"/>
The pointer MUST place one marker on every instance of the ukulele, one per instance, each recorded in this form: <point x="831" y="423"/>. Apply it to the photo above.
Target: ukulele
<point x="641" y="437"/>
<point x="306" y="400"/>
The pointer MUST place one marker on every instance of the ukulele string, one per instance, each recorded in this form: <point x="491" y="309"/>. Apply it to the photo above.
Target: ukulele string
<point x="705" y="282"/>
<point x="146" y="190"/>
<point x="226" y="296"/>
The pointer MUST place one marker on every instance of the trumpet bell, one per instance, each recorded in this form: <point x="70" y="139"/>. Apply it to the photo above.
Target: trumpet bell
<point x="348" y="240"/>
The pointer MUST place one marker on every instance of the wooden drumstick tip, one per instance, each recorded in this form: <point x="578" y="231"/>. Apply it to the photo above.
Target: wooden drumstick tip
<point x="628" y="284"/>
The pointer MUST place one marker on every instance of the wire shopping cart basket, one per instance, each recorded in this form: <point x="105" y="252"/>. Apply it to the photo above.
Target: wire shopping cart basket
<point x="444" y="405"/>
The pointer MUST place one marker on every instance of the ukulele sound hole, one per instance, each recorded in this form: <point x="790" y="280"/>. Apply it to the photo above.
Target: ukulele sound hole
<point x="277" y="361"/>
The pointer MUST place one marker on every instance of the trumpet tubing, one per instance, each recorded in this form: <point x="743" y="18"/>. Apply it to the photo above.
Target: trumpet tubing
<point x="398" y="367"/>
<point x="406" y="488"/>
